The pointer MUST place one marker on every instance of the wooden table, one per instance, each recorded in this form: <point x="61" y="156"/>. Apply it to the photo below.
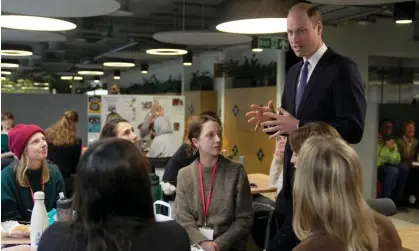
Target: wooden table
<point x="262" y="183"/>
<point x="409" y="237"/>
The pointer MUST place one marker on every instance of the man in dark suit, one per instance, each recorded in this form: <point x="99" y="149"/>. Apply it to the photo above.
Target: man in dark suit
<point x="324" y="86"/>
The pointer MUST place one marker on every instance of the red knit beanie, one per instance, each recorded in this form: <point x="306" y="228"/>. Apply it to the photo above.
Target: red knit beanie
<point x="19" y="136"/>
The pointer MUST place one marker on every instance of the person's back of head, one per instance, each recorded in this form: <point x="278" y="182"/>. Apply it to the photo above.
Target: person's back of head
<point x="297" y="139"/>
<point x="112" y="194"/>
<point x="328" y="195"/>
<point x="64" y="131"/>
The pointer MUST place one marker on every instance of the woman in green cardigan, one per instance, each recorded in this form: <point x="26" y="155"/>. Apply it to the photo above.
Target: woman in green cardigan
<point x="29" y="174"/>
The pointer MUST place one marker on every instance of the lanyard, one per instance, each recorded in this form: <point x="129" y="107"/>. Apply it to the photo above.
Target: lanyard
<point x="205" y="206"/>
<point x="30" y="187"/>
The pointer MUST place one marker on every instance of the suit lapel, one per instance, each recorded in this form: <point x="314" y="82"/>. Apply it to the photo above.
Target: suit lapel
<point x="313" y="79"/>
<point x="293" y="89"/>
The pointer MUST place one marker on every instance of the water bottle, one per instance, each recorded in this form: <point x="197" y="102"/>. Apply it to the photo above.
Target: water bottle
<point x="64" y="210"/>
<point x="39" y="219"/>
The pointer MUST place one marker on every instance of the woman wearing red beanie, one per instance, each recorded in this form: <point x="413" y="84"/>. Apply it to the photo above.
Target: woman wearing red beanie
<point x="28" y="174"/>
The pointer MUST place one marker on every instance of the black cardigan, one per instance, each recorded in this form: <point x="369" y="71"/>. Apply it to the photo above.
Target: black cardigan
<point x="179" y="160"/>
<point x="65" y="157"/>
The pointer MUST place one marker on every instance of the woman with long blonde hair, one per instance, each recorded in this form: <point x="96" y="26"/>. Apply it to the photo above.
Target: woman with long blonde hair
<point x="64" y="147"/>
<point x="30" y="173"/>
<point x="330" y="212"/>
<point x="64" y="131"/>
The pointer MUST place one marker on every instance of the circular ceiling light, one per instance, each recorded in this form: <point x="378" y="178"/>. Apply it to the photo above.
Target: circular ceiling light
<point x="9" y="63"/>
<point x="91" y="72"/>
<point x="35" y="23"/>
<point x="41" y="84"/>
<point x="144" y="68"/>
<point x="6" y="72"/>
<point x="404" y="13"/>
<point x="71" y="77"/>
<point x="60" y="8"/>
<point x="119" y="63"/>
<point x="117" y="74"/>
<point x="254" y="17"/>
<point x="187" y="59"/>
<point x="255" y="44"/>
<point x="22" y="36"/>
<point x="15" y="50"/>
<point x="404" y="21"/>
<point x="166" y="52"/>
<point x="254" y="26"/>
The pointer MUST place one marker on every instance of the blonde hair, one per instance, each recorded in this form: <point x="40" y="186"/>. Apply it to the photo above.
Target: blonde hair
<point x="297" y="139"/>
<point x="64" y="131"/>
<point x="22" y="166"/>
<point x="328" y="195"/>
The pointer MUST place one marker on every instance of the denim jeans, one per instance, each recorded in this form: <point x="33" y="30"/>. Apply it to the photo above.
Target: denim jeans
<point x="394" y="178"/>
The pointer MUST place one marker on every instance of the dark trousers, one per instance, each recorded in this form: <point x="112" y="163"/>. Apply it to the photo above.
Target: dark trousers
<point x="285" y="239"/>
<point x="394" y="179"/>
<point x="413" y="183"/>
<point x="262" y="199"/>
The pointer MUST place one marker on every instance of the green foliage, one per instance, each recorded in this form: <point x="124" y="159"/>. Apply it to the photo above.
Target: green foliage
<point x="251" y="70"/>
<point x="201" y="81"/>
<point x="154" y="86"/>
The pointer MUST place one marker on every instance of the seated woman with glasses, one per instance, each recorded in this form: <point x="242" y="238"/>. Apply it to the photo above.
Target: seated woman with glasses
<point x="113" y="205"/>
<point x="330" y="212"/>
<point x="213" y="199"/>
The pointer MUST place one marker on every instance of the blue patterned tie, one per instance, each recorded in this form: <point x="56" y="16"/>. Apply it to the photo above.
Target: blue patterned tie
<point x="301" y="86"/>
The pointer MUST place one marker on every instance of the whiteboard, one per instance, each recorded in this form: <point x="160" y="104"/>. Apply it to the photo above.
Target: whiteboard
<point x="134" y="108"/>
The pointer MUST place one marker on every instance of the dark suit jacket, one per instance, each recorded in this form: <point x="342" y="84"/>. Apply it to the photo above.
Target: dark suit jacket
<point x="334" y="94"/>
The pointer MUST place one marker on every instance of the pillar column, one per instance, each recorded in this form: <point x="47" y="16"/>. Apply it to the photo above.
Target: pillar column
<point x="187" y="75"/>
<point x="280" y="76"/>
<point x="220" y="84"/>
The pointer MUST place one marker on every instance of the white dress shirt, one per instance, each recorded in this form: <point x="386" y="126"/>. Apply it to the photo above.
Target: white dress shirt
<point x="313" y="60"/>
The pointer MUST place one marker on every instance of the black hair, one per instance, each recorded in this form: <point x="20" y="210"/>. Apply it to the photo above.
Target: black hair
<point x="109" y="129"/>
<point x="7" y="115"/>
<point x="112" y="196"/>
<point x="383" y="122"/>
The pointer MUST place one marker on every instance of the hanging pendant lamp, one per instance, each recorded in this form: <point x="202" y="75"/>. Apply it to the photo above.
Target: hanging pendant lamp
<point x="255" y="16"/>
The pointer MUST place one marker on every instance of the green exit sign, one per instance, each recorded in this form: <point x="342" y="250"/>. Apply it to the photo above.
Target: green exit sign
<point x="277" y="43"/>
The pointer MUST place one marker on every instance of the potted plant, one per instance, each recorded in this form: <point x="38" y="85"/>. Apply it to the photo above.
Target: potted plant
<point x="201" y="81"/>
<point x="172" y="85"/>
<point x="251" y="73"/>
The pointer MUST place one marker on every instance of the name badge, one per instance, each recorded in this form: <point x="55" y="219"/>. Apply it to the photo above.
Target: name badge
<point x="207" y="232"/>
